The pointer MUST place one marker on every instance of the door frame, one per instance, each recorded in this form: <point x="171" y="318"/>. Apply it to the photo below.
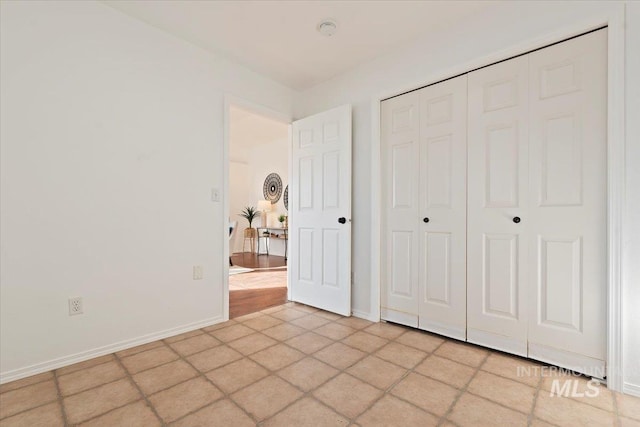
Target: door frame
<point x="236" y="101"/>
<point x="616" y="222"/>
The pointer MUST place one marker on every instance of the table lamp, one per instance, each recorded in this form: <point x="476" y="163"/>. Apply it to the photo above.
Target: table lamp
<point x="264" y="206"/>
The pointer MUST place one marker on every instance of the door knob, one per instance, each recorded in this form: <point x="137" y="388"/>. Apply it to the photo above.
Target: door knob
<point x="516" y="219"/>
<point x="342" y="220"/>
<point x="425" y="219"/>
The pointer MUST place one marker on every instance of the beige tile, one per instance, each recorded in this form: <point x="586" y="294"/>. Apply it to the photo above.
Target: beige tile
<point x="306" y="413"/>
<point x="390" y="411"/>
<point x="266" y="397"/>
<point x="339" y="355"/>
<point x="149" y="359"/>
<point x="91" y="377"/>
<point x="421" y="340"/>
<point x="249" y="316"/>
<point x="183" y="398"/>
<point x="289" y="314"/>
<point x="386" y="330"/>
<point x="628" y="422"/>
<point x="328" y="315"/>
<point x="377" y="372"/>
<point x="426" y="393"/>
<point x="539" y="423"/>
<point x="262" y="322"/>
<point x="309" y="342"/>
<point x="310" y="322"/>
<point x="463" y="353"/>
<point x="628" y="406"/>
<point x="137" y="414"/>
<point x="275" y="309"/>
<point x="220" y="325"/>
<point x="334" y="331"/>
<point x="445" y="370"/>
<point x="509" y="393"/>
<point x="473" y="411"/>
<point x="194" y="344"/>
<point x="27" y="397"/>
<point x="579" y="388"/>
<point x="165" y="376"/>
<point x="277" y="357"/>
<point x="139" y="349"/>
<point x="232" y="332"/>
<point x="365" y="342"/>
<point x="567" y="412"/>
<point x="304" y="308"/>
<point x="86" y="364"/>
<point x="97" y="401"/>
<point x="183" y="336"/>
<point x="223" y="413"/>
<point x="284" y="331"/>
<point x="44" y="416"/>
<point x="34" y="379"/>
<point x="252" y="343"/>
<point x="308" y="373"/>
<point x="237" y="375"/>
<point x="400" y="354"/>
<point x="213" y="358"/>
<point x="347" y="395"/>
<point x="514" y="368"/>
<point x="355" y="322"/>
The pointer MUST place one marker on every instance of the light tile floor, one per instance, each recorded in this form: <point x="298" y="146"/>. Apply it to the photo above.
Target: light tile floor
<point x="294" y="365"/>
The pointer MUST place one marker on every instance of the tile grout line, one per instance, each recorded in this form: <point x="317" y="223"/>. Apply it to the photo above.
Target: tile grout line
<point x="462" y="390"/>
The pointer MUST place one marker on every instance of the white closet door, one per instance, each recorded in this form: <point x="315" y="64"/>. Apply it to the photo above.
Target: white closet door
<point x="443" y="207"/>
<point x="568" y="199"/>
<point x="497" y="198"/>
<point x="400" y="164"/>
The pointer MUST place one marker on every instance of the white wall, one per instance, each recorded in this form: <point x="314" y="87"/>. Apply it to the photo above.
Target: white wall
<point x="506" y="25"/>
<point x="111" y="140"/>
<point x="239" y="188"/>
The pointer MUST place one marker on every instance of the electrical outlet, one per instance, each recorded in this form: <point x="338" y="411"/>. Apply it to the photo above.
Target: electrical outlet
<point x="215" y="194"/>
<point x="75" y="306"/>
<point x="197" y="272"/>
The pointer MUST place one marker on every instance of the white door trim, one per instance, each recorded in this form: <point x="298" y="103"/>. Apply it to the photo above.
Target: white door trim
<point x="616" y="148"/>
<point x="230" y="100"/>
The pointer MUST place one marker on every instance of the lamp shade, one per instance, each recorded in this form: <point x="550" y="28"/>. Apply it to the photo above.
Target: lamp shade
<point x="264" y="205"/>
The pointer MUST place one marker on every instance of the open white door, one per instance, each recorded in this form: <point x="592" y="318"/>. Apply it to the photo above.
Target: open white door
<point x="320" y="211"/>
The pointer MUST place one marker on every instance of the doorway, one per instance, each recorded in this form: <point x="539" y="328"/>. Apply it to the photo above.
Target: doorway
<point x="258" y="178"/>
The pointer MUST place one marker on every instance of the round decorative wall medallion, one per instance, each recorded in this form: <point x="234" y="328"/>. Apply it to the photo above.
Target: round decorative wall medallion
<point x="286" y="197"/>
<point x="272" y="188"/>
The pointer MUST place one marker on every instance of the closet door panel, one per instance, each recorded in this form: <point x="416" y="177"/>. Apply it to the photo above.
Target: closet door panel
<point x="568" y="199"/>
<point x="497" y="206"/>
<point x="400" y="243"/>
<point x="442" y="194"/>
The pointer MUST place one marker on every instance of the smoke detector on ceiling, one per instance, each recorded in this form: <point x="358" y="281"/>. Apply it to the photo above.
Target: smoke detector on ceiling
<point x="327" y="27"/>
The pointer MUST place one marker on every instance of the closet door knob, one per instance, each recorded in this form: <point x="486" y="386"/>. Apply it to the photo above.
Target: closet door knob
<point x="425" y="219"/>
<point x="342" y="220"/>
<point x="516" y="219"/>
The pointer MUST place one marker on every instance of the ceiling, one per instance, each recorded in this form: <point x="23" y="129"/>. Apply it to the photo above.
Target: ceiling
<point x="279" y="39"/>
<point x="248" y="129"/>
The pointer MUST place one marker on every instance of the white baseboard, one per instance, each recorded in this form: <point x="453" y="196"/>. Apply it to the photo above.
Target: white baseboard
<point x="497" y="342"/>
<point x="399" y="317"/>
<point x="60" y="362"/>
<point x="576" y="362"/>
<point x="631" y="389"/>
<point x="451" y="331"/>
<point x="364" y="315"/>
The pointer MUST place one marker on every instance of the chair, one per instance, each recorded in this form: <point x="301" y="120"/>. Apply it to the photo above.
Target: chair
<point x="232" y="232"/>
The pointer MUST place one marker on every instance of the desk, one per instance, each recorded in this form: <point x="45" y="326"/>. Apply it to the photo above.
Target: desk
<point x="272" y="233"/>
